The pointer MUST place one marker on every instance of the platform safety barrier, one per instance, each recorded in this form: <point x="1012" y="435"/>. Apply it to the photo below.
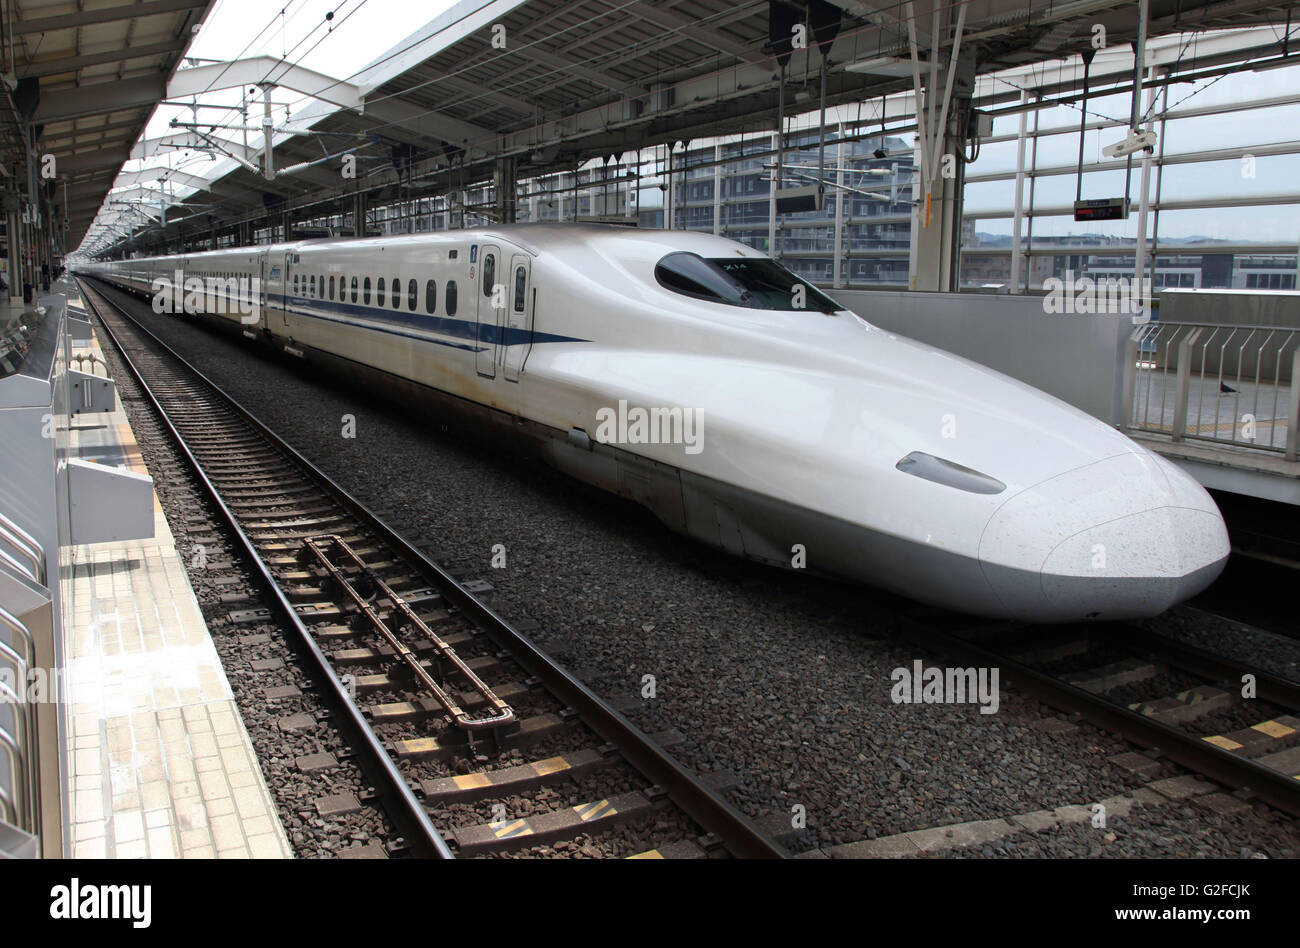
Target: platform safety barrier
<point x="1229" y="384"/>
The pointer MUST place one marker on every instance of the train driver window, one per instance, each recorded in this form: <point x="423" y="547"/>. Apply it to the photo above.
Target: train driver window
<point x="451" y="298"/>
<point x="412" y="294"/>
<point x="756" y="283"/>
<point x="430" y="296"/>
<point x="365" y="289"/>
<point x="521" y="284"/>
<point x="489" y="273"/>
<point x="379" y="291"/>
<point x="354" y="289"/>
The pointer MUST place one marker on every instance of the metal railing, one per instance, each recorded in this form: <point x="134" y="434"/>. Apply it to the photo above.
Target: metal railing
<point x="21" y="554"/>
<point x="18" y="798"/>
<point x="1228" y="384"/>
<point x="17" y="544"/>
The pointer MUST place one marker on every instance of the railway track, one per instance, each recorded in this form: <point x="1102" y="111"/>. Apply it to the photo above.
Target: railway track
<point x="476" y="742"/>
<point x="1189" y="705"/>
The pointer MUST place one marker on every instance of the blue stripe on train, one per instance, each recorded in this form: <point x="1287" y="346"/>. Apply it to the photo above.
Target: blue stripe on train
<point x="446" y="325"/>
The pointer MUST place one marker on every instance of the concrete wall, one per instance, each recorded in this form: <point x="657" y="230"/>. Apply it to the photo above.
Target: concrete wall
<point x="1077" y="358"/>
<point x="1266" y="352"/>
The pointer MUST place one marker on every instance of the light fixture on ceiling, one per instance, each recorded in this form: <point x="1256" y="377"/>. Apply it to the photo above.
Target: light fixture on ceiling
<point x="882" y="66"/>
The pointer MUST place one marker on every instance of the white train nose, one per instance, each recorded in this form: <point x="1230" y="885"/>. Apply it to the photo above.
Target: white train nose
<point x="1122" y="538"/>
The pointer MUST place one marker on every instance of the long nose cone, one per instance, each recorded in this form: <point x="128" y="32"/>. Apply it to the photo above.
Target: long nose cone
<point x="1123" y="538"/>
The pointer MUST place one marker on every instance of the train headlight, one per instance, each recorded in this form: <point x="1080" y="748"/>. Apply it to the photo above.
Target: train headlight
<point x="949" y="473"/>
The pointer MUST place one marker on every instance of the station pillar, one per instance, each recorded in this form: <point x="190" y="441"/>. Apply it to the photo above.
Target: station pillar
<point x="504" y="180"/>
<point x="359" y="214"/>
<point x="936" y="232"/>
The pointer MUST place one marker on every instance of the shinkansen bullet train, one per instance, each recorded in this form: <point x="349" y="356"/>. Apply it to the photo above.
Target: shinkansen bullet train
<point x="743" y="406"/>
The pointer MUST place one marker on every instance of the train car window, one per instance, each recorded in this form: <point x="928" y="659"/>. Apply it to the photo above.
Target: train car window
<point x="489" y="273"/>
<point x="295" y="284"/>
<point x="379" y="291"/>
<point x="752" y="282"/>
<point x="397" y="293"/>
<point x="365" y="290"/>
<point x="412" y="295"/>
<point x="354" y="289"/>
<point x="521" y="283"/>
<point x="331" y="288"/>
<point x="430" y="296"/>
<point x="450" y="302"/>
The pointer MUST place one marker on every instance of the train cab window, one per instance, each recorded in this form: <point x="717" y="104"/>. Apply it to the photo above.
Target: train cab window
<point x="451" y="298"/>
<point x="430" y="296"/>
<point x="354" y="289"/>
<point x="412" y="294"/>
<point x="489" y="272"/>
<point x="752" y="282"/>
<point x="521" y="286"/>
<point x="379" y="291"/>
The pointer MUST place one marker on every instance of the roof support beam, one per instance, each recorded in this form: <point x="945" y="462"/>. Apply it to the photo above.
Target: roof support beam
<point x="78" y="163"/>
<point x="53" y="65"/>
<point x="99" y="98"/>
<point x="126" y="11"/>
<point x="259" y="70"/>
<point x="690" y="28"/>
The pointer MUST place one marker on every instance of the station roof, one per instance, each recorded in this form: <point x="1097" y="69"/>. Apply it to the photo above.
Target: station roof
<point x="89" y="74"/>
<point x="579" y="79"/>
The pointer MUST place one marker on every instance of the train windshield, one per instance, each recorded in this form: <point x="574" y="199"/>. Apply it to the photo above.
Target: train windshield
<point x="754" y="282"/>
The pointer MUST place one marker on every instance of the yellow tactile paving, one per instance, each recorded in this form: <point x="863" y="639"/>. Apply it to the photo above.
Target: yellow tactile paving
<point x="161" y="765"/>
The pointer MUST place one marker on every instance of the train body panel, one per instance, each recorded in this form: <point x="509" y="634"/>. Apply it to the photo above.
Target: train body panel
<point x="666" y="367"/>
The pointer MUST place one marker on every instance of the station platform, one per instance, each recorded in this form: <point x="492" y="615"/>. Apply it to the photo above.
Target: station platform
<point x="159" y="762"/>
<point x="1255" y="416"/>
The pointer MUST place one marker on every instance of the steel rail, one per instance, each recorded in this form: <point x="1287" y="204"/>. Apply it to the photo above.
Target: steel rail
<point x="1270" y="687"/>
<point x="1184" y="748"/>
<point x="501" y="713"/>
<point x="715" y="814"/>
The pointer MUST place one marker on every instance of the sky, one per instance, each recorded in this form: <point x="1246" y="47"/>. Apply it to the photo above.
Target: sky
<point x="361" y="31"/>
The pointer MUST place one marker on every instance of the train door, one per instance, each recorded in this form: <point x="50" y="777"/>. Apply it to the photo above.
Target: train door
<point x="490" y="310"/>
<point x="522" y="307"/>
<point x="262" y="270"/>
<point x="287" y="285"/>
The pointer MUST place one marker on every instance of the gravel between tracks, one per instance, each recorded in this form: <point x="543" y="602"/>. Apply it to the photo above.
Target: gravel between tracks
<point x="783" y="679"/>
